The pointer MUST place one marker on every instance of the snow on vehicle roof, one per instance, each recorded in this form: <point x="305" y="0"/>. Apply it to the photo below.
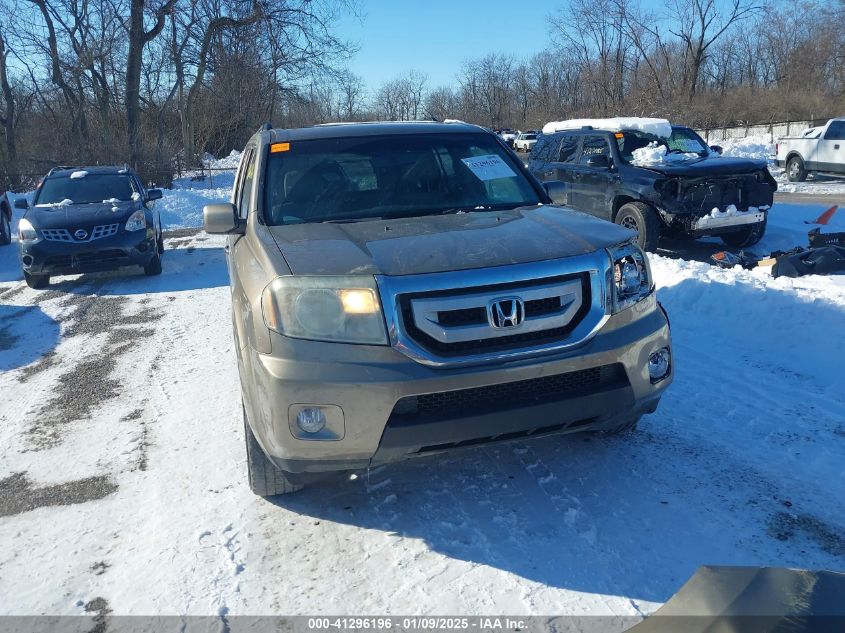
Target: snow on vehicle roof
<point x="658" y="127"/>
<point x="79" y="174"/>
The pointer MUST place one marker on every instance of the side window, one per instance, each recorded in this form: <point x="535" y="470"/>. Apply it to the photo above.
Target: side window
<point x="540" y="149"/>
<point x="593" y="146"/>
<point x="568" y="148"/>
<point x="245" y="187"/>
<point x="835" y="131"/>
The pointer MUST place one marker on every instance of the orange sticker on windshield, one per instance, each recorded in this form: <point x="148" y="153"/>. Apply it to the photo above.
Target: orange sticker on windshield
<point x="279" y="147"/>
<point x="619" y="135"/>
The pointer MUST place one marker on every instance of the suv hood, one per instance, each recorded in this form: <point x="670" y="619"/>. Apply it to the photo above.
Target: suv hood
<point x="73" y="215"/>
<point x="710" y="166"/>
<point x="439" y="243"/>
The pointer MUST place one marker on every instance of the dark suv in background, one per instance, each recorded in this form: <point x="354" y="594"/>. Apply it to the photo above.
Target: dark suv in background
<point x="672" y="185"/>
<point x="89" y="219"/>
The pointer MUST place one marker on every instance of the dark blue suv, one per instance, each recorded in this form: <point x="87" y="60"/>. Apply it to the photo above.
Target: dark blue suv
<point x="89" y="219"/>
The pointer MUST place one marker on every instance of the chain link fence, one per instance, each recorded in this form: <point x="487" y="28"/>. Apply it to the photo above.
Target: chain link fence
<point x="772" y="131"/>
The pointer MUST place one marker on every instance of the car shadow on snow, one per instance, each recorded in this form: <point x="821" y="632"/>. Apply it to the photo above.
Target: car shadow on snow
<point x="183" y="269"/>
<point x="26" y="335"/>
<point x="633" y="515"/>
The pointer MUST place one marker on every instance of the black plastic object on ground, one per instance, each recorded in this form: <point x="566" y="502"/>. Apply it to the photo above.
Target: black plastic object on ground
<point x="823" y="260"/>
<point x="753" y="599"/>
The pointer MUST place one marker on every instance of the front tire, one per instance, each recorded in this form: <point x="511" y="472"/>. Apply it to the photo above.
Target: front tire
<point x="643" y="219"/>
<point x="628" y="426"/>
<point x="265" y="479"/>
<point x="36" y="281"/>
<point x="5" y="229"/>
<point x="154" y="267"/>
<point x="795" y="170"/>
<point x="746" y="236"/>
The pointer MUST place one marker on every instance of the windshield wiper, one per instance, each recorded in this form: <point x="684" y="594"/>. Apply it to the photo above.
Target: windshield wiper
<point x="348" y="220"/>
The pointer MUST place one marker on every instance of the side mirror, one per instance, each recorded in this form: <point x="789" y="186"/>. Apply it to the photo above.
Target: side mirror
<point x="556" y="190"/>
<point x="600" y="161"/>
<point x="717" y="148"/>
<point x="222" y="218"/>
<point x="154" y="194"/>
<point x="20" y="203"/>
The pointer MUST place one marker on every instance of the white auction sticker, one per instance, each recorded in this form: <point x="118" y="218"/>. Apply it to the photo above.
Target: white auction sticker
<point x="488" y="167"/>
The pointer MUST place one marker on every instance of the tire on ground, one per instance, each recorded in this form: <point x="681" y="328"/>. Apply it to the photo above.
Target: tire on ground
<point x="154" y="267"/>
<point x="795" y="171"/>
<point x="644" y="220"/>
<point x="265" y="479"/>
<point x="5" y="229"/>
<point x="36" y="281"/>
<point x="747" y="236"/>
<point x="628" y="426"/>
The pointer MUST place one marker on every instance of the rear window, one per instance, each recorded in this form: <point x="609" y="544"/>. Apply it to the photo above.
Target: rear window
<point x="835" y="131"/>
<point x="86" y="189"/>
<point x="391" y="176"/>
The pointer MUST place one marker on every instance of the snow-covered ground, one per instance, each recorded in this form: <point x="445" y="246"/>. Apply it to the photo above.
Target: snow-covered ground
<point x="123" y="484"/>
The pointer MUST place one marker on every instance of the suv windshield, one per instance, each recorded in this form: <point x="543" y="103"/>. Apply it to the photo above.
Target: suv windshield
<point x="89" y="188"/>
<point x="391" y="176"/>
<point x="682" y="141"/>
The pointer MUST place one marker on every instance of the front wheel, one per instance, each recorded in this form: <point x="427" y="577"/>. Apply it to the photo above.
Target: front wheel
<point x="36" y="281"/>
<point x="5" y="229"/>
<point x="643" y="219"/>
<point x="628" y="426"/>
<point x="795" y="171"/>
<point x="154" y="267"/>
<point x="265" y="479"/>
<point x="747" y="236"/>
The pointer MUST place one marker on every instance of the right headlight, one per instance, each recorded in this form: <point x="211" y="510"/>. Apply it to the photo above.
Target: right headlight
<point x="336" y="309"/>
<point x="629" y="276"/>
<point x="27" y="231"/>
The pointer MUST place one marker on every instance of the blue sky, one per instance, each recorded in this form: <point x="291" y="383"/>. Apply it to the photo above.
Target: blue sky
<point x="435" y="36"/>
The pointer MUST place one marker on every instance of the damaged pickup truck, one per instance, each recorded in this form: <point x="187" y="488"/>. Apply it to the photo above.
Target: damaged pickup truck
<point x="655" y="178"/>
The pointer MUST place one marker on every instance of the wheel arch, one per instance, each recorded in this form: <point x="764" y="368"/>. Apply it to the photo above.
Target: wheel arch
<point x="620" y="200"/>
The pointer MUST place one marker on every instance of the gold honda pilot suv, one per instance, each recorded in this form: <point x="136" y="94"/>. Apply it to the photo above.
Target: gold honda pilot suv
<point x="400" y="289"/>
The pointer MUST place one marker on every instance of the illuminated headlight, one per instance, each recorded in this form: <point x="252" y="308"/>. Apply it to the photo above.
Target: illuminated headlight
<point x="136" y="222"/>
<point x="27" y="231"/>
<point x="338" y="309"/>
<point x="630" y="276"/>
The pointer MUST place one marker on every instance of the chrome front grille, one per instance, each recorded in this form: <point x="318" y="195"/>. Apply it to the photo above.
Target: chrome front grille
<point x="65" y="235"/>
<point x="494" y="314"/>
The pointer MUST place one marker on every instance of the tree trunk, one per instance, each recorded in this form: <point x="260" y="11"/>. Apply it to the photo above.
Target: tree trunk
<point x="9" y="121"/>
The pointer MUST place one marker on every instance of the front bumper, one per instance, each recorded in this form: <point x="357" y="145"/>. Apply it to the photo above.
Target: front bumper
<point x="136" y="248"/>
<point x="371" y="387"/>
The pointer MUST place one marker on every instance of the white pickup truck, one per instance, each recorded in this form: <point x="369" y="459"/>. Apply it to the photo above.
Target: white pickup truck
<point x="819" y="149"/>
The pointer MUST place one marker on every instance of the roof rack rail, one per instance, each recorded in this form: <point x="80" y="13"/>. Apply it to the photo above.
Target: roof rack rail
<point x="265" y="127"/>
<point x="587" y="127"/>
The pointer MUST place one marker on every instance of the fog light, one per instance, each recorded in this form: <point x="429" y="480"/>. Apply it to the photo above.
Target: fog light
<point x="658" y="364"/>
<point x="311" y="420"/>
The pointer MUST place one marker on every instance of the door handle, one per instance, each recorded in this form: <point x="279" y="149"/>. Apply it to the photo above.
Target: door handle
<point x="836" y="146"/>
<point x="576" y="176"/>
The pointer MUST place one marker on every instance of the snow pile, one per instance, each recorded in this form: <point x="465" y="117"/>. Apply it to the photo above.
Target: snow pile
<point x="756" y="147"/>
<point x="229" y="162"/>
<point x="46" y="205"/>
<point x="654" y="154"/>
<point x="79" y="174"/>
<point x="812" y="132"/>
<point x="656" y="127"/>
